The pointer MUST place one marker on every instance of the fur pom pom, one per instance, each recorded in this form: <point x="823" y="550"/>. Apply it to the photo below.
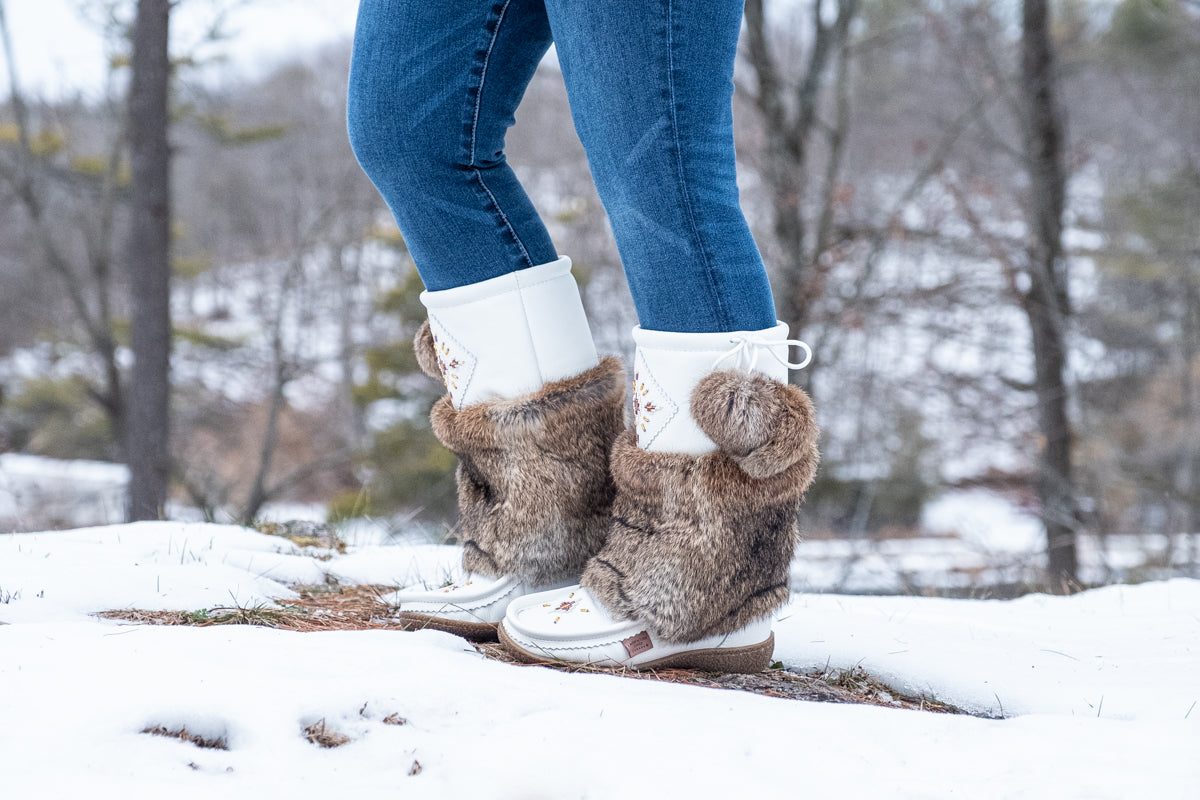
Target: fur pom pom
<point x="763" y="425"/>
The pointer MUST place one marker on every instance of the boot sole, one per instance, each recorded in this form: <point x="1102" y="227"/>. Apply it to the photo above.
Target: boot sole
<point x="473" y="631"/>
<point x="748" y="659"/>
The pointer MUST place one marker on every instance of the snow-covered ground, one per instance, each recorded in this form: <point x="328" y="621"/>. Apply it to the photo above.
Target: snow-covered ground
<point x="1101" y="691"/>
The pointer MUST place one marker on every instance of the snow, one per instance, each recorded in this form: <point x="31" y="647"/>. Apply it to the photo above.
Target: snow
<point x="155" y="566"/>
<point x="1101" y="691"/>
<point x="152" y="566"/>
<point x="72" y="492"/>
<point x="1121" y="652"/>
<point x="985" y="519"/>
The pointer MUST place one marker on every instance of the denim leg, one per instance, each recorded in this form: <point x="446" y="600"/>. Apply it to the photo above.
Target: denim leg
<point x="651" y="87"/>
<point x="433" y="87"/>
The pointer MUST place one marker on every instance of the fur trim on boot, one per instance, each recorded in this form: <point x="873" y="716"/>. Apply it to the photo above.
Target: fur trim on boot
<point x="700" y="545"/>
<point x="534" y="491"/>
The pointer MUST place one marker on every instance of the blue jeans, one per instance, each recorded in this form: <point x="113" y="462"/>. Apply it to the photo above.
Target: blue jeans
<point x="433" y="89"/>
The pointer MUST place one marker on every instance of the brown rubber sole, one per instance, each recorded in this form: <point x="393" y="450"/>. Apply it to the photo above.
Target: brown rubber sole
<point x="749" y="659"/>
<point x="473" y="631"/>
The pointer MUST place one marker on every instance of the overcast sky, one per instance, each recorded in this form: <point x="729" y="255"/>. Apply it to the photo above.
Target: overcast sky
<point x="60" y="52"/>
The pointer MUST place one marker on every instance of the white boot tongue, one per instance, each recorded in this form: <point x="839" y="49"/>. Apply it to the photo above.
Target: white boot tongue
<point x="570" y="613"/>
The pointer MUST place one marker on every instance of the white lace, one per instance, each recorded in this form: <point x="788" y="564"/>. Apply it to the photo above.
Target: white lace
<point x="746" y="347"/>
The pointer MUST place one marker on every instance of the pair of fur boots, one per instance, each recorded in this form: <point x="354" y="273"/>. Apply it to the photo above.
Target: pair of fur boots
<point x="550" y="485"/>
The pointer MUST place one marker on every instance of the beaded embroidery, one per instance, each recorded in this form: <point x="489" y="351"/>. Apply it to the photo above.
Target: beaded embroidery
<point x="643" y="408"/>
<point x="565" y="607"/>
<point x="652" y="408"/>
<point x="455" y="362"/>
<point x="448" y="368"/>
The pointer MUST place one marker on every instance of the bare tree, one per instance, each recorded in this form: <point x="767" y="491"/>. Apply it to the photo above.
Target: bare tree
<point x="791" y="115"/>
<point x="35" y="179"/>
<point x="1046" y="302"/>
<point x="294" y="259"/>
<point x="149" y="261"/>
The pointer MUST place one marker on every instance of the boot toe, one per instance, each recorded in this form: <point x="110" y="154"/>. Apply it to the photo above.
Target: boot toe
<point x="570" y="625"/>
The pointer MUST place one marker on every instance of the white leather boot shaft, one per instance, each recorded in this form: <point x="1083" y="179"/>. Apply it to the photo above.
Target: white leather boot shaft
<point x="508" y="336"/>
<point x="667" y="366"/>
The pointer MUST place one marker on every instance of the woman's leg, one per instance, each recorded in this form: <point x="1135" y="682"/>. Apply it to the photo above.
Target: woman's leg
<point x="710" y="478"/>
<point x="433" y="88"/>
<point x="651" y="86"/>
<point x="530" y="410"/>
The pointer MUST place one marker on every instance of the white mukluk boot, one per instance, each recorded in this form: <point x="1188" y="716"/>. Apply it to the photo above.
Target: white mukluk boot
<point x="531" y="413"/>
<point x="709" y="481"/>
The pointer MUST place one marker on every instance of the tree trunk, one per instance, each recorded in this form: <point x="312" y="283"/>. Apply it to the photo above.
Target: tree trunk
<point x="259" y="494"/>
<point x="1046" y="301"/>
<point x="149" y="262"/>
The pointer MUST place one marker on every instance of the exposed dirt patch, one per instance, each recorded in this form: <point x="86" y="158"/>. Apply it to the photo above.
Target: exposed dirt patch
<point x="185" y="735"/>
<point x="831" y="687"/>
<point x="860" y="684"/>
<point x="340" y="608"/>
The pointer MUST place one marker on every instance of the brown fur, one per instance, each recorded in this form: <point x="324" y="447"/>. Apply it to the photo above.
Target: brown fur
<point x="700" y="545"/>
<point x="534" y="491"/>
<point x="426" y="354"/>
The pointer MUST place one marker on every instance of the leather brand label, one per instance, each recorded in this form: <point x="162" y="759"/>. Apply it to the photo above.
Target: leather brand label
<point x="637" y="644"/>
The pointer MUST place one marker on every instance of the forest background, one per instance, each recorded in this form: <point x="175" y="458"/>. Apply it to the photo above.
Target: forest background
<point x="885" y="166"/>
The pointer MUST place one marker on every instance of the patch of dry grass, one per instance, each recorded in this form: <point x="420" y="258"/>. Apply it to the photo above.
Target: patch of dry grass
<point x="318" y="535"/>
<point x="318" y="609"/>
<point x="323" y="736"/>
<point x="183" y="734"/>
<point x="774" y="682"/>
<point x="860" y="684"/>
